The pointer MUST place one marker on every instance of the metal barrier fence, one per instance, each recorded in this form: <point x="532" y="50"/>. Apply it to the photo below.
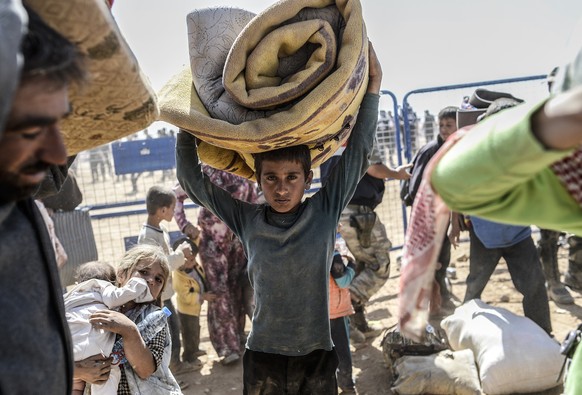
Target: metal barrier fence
<point x="531" y="89"/>
<point x="115" y="178"/>
<point x="408" y="131"/>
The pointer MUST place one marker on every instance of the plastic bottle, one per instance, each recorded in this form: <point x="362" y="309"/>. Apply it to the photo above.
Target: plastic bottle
<point x="153" y="323"/>
<point x="148" y="328"/>
<point x="340" y="244"/>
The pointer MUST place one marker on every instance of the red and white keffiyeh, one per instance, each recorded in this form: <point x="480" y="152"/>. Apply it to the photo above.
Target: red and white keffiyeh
<point x="428" y="223"/>
<point x="569" y="172"/>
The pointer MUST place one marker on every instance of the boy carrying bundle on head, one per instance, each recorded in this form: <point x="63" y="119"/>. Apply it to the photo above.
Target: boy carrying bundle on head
<point x="289" y="244"/>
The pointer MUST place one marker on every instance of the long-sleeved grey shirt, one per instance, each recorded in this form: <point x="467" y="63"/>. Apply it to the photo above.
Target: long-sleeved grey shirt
<point x="289" y="255"/>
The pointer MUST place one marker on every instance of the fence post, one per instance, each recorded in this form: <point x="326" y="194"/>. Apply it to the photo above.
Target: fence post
<point x="398" y="147"/>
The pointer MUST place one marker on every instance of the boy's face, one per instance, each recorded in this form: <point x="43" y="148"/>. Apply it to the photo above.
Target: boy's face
<point x="447" y="126"/>
<point x="167" y="213"/>
<point x="284" y="183"/>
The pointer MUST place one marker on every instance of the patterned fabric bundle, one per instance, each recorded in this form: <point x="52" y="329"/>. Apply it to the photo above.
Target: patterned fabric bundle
<point x="569" y="171"/>
<point x="293" y="74"/>
<point x="117" y="100"/>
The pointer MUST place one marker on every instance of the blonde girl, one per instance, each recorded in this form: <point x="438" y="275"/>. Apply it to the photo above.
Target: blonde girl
<point x="146" y="370"/>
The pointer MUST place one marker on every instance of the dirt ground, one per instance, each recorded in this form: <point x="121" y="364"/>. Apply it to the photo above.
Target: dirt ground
<point x="372" y="376"/>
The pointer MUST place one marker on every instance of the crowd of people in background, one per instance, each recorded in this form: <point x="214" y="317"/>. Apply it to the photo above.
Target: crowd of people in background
<point x="419" y="128"/>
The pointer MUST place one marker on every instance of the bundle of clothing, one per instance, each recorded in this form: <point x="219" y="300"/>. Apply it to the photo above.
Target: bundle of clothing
<point x="117" y="99"/>
<point x="293" y="74"/>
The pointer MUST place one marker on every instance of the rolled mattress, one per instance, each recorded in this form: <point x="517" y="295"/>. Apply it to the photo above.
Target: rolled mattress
<point x="294" y="74"/>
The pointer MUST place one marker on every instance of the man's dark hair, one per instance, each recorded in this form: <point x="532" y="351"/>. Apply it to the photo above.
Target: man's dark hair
<point x="448" y="112"/>
<point x="49" y="56"/>
<point x="159" y="197"/>
<point x="296" y="153"/>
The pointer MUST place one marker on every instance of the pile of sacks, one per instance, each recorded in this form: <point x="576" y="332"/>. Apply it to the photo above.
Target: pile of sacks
<point x="492" y="351"/>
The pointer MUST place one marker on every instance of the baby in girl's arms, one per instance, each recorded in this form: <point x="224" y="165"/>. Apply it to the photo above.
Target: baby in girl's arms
<point x="95" y="291"/>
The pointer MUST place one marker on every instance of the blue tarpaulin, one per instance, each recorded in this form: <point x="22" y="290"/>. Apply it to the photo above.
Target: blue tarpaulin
<point x="137" y="156"/>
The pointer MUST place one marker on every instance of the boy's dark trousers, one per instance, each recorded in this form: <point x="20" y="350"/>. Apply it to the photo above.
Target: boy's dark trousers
<point x="190" y="326"/>
<point x="525" y="269"/>
<point x="341" y="341"/>
<point x="275" y="374"/>
<point x="174" y="324"/>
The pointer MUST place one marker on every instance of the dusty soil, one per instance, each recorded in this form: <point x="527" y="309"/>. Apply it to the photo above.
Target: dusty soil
<point x="372" y="376"/>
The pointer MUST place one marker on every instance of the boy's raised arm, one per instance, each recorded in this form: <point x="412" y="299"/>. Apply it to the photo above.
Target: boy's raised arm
<point x="354" y="162"/>
<point x="188" y="167"/>
<point x="199" y="187"/>
<point x="375" y="71"/>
